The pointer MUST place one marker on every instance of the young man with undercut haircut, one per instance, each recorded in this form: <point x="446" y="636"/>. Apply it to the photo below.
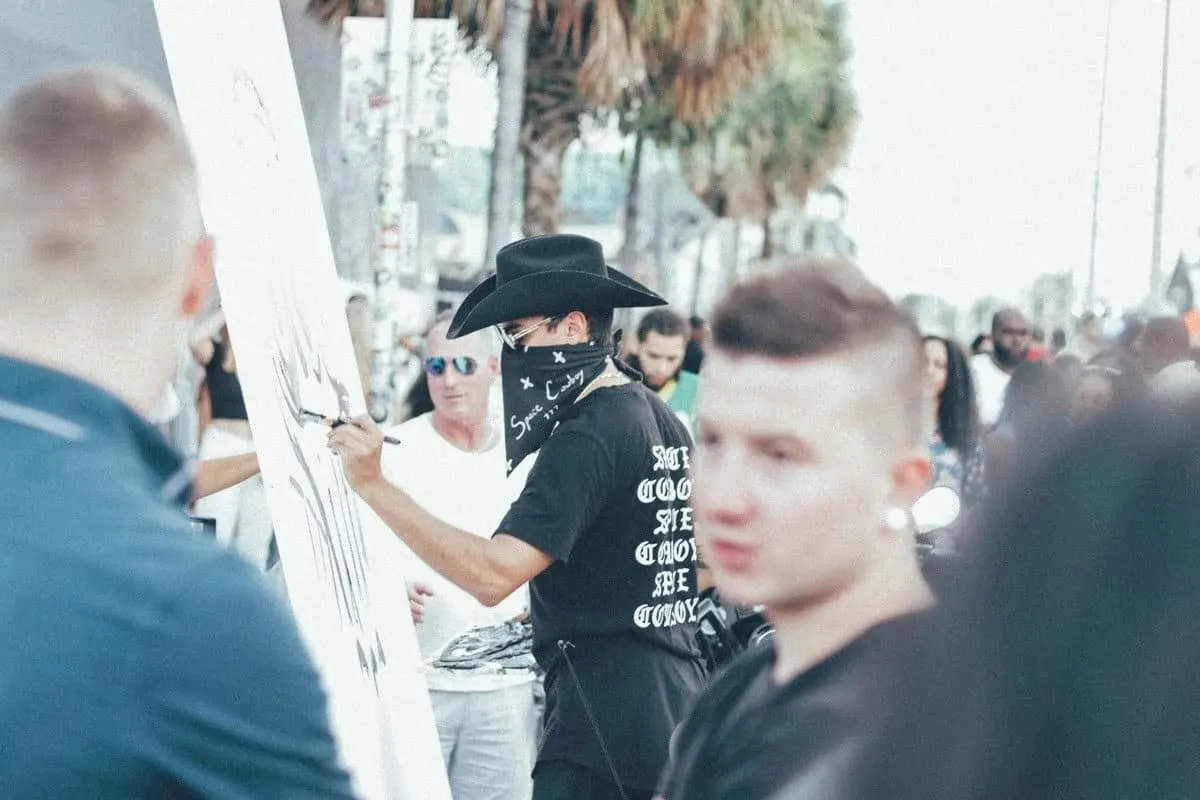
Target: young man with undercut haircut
<point x="811" y="454"/>
<point x="139" y="659"/>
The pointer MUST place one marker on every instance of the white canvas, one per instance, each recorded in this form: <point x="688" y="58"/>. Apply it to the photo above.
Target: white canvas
<point x="236" y="92"/>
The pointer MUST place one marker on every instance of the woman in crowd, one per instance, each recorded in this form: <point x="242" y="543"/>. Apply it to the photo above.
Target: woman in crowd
<point x="953" y="441"/>
<point x="243" y="520"/>
<point x="1067" y="667"/>
<point x="1100" y="390"/>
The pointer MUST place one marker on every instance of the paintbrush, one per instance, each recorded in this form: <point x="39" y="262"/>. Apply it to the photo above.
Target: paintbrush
<point x="334" y="422"/>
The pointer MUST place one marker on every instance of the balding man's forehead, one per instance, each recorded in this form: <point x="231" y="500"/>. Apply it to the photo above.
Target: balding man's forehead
<point x="1011" y="320"/>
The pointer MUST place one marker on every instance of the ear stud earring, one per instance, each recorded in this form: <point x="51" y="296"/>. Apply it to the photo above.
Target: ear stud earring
<point x="896" y="519"/>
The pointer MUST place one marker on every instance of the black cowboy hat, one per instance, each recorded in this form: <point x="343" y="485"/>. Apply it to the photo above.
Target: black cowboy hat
<point x="547" y="275"/>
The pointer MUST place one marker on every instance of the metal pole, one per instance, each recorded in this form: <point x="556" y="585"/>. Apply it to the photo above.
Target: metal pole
<point x="511" y="71"/>
<point x="390" y="267"/>
<point x="1156" y="287"/>
<point x="1090" y="294"/>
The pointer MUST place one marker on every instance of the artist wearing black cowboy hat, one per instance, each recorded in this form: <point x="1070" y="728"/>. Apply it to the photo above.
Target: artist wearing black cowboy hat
<point x="602" y="532"/>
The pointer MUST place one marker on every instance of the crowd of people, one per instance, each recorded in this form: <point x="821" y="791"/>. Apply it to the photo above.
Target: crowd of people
<point x="768" y="459"/>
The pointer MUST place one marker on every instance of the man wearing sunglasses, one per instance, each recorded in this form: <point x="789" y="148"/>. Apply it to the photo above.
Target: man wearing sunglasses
<point x="451" y="461"/>
<point x="602" y="531"/>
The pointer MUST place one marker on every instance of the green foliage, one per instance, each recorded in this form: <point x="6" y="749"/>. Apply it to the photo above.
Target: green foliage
<point x="787" y="133"/>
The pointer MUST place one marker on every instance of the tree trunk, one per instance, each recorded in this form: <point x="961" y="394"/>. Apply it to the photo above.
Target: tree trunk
<point x="699" y="279"/>
<point x="507" y="142"/>
<point x="543" y="185"/>
<point x="553" y="108"/>
<point x="628" y="257"/>
<point x="768" y="247"/>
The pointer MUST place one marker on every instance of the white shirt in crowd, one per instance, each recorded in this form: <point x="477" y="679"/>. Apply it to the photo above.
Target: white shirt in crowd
<point x="471" y="492"/>
<point x="991" y="382"/>
<point x="1177" y="382"/>
<point x="166" y="409"/>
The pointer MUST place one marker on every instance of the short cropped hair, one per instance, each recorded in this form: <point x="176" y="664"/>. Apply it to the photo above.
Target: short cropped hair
<point x="97" y="186"/>
<point x="812" y="308"/>
<point x="662" y="321"/>
<point x="599" y="322"/>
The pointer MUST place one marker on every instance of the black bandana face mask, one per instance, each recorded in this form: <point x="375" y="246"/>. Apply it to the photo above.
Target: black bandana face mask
<point x="538" y="383"/>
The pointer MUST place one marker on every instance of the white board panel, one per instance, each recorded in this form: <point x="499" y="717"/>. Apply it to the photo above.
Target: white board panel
<point x="236" y="92"/>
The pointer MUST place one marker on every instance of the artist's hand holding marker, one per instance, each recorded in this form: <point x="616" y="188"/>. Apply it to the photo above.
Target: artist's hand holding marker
<point x="359" y="442"/>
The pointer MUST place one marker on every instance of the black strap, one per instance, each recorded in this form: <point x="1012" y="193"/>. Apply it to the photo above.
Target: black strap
<point x="563" y="645"/>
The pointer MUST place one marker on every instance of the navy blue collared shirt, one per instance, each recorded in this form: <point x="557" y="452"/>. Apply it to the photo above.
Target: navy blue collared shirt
<point x="137" y="658"/>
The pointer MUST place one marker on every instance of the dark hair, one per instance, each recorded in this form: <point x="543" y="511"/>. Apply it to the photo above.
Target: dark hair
<point x="1070" y="366"/>
<point x="1130" y="331"/>
<point x="1115" y="359"/>
<point x="977" y="343"/>
<point x="958" y="413"/>
<point x="1035" y="405"/>
<point x="600" y="325"/>
<point x="662" y="321"/>
<point x="695" y="321"/>
<point x="1066" y="665"/>
<point x="417" y="400"/>
<point x="1127" y="383"/>
<point x="1170" y="334"/>
<point x="1058" y="338"/>
<point x="807" y="308"/>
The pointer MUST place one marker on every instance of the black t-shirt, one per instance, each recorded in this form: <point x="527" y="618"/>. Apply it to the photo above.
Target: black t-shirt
<point x="748" y="738"/>
<point x="608" y="498"/>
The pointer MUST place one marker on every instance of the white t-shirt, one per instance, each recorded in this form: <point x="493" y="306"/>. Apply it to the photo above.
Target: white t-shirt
<point x="1177" y="382"/>
<point x="990" y="384"/>
<point x="469" y="491"/>
<point x="166" y="409"/>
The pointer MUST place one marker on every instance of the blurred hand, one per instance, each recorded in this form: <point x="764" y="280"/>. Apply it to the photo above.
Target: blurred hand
<point x="417" y="592"/>
<point x="359" y="442"/>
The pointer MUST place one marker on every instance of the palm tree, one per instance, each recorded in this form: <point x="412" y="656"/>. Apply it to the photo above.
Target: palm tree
<point x="585" y="55"/>
<point x="332" y="12"/>
<point x="783" y="137"/>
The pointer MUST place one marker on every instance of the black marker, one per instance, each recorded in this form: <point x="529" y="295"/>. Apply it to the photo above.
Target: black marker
<point x="334" y="422"/>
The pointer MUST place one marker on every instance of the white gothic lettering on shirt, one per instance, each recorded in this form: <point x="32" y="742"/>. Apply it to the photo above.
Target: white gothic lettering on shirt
<point x="664" y="490"/>
<point x="671" y="520"/>
<point x="666" y="615"/>
<point x="670" y="458"/>
<point x="666" y="553"/>
<point x="673" y="552"/>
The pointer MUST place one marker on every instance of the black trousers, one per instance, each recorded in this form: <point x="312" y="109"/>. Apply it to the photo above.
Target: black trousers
<point x="562" y="780"/>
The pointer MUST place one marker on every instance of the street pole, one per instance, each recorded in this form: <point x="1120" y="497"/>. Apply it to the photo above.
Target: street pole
<point x="394" y="272"/>
<point x="511" y="68"/>
<point x="1090" y="294"/>
<point x="1156" y="287"/>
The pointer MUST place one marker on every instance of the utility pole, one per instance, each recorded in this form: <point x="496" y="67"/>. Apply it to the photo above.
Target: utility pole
<point x="394" y="271"/>
<point x="1090" y="294"/>
<point x="510" y="78"/>
<point x="1156" y="287"/>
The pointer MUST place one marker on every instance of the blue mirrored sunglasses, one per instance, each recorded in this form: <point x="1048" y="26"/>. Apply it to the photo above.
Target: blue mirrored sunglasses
<point x="436" y="365"/>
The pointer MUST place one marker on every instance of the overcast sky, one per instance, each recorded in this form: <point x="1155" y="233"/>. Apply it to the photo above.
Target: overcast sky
<point x="972" y="170"/>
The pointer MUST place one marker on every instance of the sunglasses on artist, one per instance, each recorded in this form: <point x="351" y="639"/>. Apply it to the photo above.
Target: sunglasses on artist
<point x="436" y="366"/>
<point x="510" y="336"/>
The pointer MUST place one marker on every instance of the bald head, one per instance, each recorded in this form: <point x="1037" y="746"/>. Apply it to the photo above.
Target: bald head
<point x="1163" y="342"/>
<point x="97" y="190"/>
<point x="1010" y="338"/>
